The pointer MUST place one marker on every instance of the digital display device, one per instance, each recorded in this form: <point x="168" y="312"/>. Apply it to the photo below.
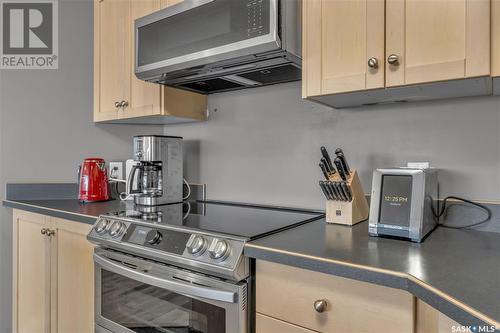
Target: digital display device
<point x="395" y="200"/>
<point x="138" y="236"/>
<point x="170" y="241"/>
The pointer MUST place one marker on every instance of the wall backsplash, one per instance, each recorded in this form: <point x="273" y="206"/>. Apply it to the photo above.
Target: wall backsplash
<point x="262" y="145"/>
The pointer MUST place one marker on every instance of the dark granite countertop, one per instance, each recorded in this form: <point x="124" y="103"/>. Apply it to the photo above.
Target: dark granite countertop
<point x="70" y="209"/>
<point x="455" y="271"/>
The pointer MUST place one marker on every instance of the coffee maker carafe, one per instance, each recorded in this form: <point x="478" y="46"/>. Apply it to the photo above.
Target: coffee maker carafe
<point x="157" y="177"/>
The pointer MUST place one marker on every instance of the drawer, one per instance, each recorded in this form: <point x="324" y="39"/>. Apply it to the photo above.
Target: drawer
<point x="265" y="324"/>
<point x="288" y="293"/>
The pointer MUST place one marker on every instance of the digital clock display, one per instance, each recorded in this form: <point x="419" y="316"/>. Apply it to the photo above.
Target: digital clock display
<point x="395" y="200"/>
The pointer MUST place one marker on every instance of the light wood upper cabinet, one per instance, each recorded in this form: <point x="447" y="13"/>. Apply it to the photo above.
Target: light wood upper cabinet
<point x="495" y="37"/>
<point x="111" y="57"/>
<point x="119" y="96"/>
<point x="339" y="38"/>
<point x="53" y="275"/>
<point x="166" y="3"/>
<point x="358" y="45"/>
<point x="436" y="40"/>
<point x="144" y="98"/>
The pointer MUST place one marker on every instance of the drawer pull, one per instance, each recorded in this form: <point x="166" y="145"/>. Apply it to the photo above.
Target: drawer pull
<point x="320" y="305"/>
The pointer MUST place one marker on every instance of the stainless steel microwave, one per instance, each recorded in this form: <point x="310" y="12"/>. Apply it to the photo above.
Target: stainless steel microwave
<point x="211" y="46"/>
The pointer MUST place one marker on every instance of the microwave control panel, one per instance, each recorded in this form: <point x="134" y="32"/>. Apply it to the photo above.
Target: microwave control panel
<point x="256" y="17"/>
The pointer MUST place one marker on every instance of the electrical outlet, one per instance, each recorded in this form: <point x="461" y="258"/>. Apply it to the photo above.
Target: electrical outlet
<point x="116" y="170"/>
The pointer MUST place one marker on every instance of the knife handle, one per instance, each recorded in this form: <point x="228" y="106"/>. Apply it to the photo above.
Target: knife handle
<point x="347" y="191"/>
<point x="323" y="189"/>
<point x="329" y="169"/>
<point x="323" y="169"/>
<point x="333" y="190"/>
<point x="341" y="191"/>
<point x="341" y="156"/>
<point x="330" y="191"/>
<point x="326" y="156"/>
<point x="340" y="168"/>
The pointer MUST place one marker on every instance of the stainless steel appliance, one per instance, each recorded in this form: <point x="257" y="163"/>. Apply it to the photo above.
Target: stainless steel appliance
<point x="404" y="203"/>
<point x="210" y="46"/>
<point x="181" y="269"/>
<point x="157" y="177"/>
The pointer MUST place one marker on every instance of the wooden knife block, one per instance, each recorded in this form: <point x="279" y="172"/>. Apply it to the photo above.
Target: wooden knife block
<point x="348" y="213"/>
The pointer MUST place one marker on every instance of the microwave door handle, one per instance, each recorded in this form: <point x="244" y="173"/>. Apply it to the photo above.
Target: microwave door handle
<point x="175" y="286"/>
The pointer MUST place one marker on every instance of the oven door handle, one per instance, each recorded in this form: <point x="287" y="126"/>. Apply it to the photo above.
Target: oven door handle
<point x="175" y="286"/>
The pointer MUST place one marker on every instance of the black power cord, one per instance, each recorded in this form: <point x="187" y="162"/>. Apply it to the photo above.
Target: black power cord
<point x="444" y="208"/>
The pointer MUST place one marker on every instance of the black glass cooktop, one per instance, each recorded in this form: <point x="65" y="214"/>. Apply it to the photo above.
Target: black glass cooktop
<point x="244" y="221"/>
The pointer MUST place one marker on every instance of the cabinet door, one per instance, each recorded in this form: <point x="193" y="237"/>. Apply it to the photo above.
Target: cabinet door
<point x="495" y="38"/>
<point x="339" y="38"/>
<point x="437" y="40"/>
<point x="31" y="273"/>
<point x="74" y="277"/>
<point x="431" y="320"/>
<point x="345" y="301"/>
<point x="111" y="57"/>
<point x="144" y="97"/>
<point x="167" y="3"/>
<point x="265" y="324"/>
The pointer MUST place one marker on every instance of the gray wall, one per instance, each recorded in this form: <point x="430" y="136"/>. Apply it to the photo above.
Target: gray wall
<point x="260" y="146"/>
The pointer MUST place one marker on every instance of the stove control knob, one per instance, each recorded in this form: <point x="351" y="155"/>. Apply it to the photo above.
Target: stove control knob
<point x="100" y="227"/>
<point x="219" y="250"/>
<point x="116" y="229"/>
<point x="154" y="237"/>
<point x="196" y="245"/>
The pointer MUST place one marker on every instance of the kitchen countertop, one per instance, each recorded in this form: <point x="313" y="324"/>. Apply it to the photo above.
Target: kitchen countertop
<point x="455" y="271"/>
<point x="70" y="209"/>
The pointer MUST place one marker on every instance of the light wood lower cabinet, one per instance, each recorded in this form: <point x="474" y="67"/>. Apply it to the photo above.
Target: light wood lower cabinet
<point x="265" y="324"/>
<point x="53" y="276"/>
<point x="289" y="294"/>
<point x="31" y="273"/>
<point x="75" y="277"/>
<point x="430" y="320"/>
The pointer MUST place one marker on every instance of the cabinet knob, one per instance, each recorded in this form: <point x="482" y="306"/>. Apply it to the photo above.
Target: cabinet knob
<point x="117" y="104"/>
<point x="320" y="305"/>
<point x="124" y="104"/>
<point x="373" y="63"/>
<point x="393" y="59"/>
<point x="43" y="231"/>
<point x="50" y="232"/>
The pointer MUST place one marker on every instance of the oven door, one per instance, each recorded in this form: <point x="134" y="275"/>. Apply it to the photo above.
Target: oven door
<point x="200" y="32"/>
<point x="135" y="295"/>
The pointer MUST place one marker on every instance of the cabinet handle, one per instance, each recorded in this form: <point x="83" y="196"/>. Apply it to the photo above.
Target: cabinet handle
<point x="117" y="104"/>
<point x="373" y="63"/>
<point x="320" y="305"/>
<point x="50" y="232"/>
<point x="393" y="59"/>
<point x="43" y="231"/>
<point x="124" y="104"/>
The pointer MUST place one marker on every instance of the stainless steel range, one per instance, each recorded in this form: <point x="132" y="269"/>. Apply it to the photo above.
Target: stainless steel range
<point x="181" y="267"/>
